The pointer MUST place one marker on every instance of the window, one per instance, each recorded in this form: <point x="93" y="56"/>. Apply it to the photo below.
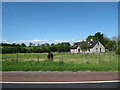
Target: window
<point x="98" y="43"/>
<point x="96" y="49"/>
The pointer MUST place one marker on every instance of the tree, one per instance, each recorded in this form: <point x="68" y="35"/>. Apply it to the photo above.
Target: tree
<point x="111" y="45"/>
<point x="47" y="44"/>
<point x="98" y="36"/>
<point x="108" y="43"/>
<point x="23" y="45"/>
<point x="118" y="50"/>
<point x="66" y="46"/>
<point x="115" y="38"/>
<point x="30" y="44"/>
<point x="43" y="48"/>
<point x="59" y="47"/>
<point x="13" y="44"/>
<point x="38" y="44"/>
<point x="89" y="37"/>
<point x="83" y="45"/>
<point x="53" y="47"/>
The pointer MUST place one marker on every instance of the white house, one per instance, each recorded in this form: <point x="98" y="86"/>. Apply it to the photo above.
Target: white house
<point x="93" y="47"/>
<point x="96" y="47"/>
<point x="75" y="49"/>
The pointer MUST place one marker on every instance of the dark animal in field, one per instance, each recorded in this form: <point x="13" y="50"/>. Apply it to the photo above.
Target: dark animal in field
<point x="50" y="56"/>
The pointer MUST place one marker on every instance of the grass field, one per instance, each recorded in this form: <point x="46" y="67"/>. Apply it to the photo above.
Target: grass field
<point x="62" y="62"/>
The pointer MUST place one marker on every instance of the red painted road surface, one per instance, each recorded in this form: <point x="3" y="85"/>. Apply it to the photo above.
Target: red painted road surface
<point x="58" y="76"/>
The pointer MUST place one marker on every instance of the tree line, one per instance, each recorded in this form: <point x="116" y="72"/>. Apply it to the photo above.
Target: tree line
<point x="110" y="45"/>
<point x="22" y="48"/>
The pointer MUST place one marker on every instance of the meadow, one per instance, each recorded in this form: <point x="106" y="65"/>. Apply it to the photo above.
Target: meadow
<point x="62" y="62"/>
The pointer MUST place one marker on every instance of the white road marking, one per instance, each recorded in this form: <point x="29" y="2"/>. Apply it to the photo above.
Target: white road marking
<point x="60" y="82"/>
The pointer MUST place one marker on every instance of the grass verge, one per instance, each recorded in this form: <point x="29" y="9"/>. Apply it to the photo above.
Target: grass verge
<point x="57" y="66"/>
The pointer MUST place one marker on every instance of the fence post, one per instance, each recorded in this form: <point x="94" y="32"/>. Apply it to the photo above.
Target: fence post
<point x="62" y="59"/>
<point x="38" y="57"/>
<point x="86" y="58"/>
<point x="109" y="56"/>
<point x="99" y="58"/>
<point x="6" y="57"/>
<point x="41" y="56"/>
<point x="17" y="57"/>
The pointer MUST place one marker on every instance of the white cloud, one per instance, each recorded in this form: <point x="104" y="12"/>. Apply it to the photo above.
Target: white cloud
<point x="4" y="41"/>
<point x="42" y="41"/>
<point x="14" y="41"/>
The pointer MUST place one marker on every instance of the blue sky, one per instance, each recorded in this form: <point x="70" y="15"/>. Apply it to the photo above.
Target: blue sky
<point x="41" y="22"/>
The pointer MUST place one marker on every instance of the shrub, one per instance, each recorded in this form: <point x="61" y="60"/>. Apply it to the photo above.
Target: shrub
<point x="118" y="51"/>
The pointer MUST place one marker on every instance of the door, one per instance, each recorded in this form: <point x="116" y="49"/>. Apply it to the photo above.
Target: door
<point x="100" y="49"/>
<point x="78" y="50"/>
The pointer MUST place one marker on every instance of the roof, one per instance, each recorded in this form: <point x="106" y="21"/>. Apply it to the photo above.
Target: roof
<point x="74" y="47"/>
<point x="93" y="43"/>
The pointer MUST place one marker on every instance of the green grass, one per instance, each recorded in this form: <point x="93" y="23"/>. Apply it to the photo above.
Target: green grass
<point x="71" y="62"/>
<point x="56" y="66"/>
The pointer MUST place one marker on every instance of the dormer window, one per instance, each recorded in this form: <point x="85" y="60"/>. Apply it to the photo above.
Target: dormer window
<point x="98" y="43"/>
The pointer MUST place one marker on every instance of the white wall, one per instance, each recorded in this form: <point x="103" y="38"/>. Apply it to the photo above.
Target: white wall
<point x="73" y="50"/>
<point x="94" y="50"/>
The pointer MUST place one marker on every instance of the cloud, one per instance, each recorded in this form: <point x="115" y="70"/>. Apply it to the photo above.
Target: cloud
<point x="42" y="41"/>
<point x="73" y="40"/>
<point x="4" y="41"/>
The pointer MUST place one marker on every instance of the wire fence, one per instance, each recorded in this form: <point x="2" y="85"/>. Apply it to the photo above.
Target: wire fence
<point x="64" y="57"/>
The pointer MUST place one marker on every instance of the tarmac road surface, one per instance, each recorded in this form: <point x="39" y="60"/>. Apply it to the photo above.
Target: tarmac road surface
<point x="104" y="84"/>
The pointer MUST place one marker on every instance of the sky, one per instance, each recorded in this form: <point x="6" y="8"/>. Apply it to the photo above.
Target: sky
<point x="53" y="22"/>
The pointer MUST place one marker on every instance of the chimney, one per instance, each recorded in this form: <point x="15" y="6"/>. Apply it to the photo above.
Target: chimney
<point x="91" y="39"/>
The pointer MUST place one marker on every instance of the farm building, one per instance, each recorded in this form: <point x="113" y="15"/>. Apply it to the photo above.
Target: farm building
<point x="92" y="47"/>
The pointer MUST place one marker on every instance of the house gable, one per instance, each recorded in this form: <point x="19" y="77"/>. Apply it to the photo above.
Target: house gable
<point x="98" y="47"/>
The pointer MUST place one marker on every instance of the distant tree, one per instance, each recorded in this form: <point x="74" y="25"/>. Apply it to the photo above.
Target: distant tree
<point x="89" y="37"/>
<point x="83" y="45"/>
<point x="118" y="50"/>
<point x="30" y="44"/>
<point x="115" y="38"/>
<point x="23" y="45"/>
<point x="38" y="44"/>
<point x="108" y="43"/>
<point x="33" y="44"/>
<point x="66" y="46"/>
<point x="13" y="44"/>
<point x="98" y="36"/>
<point x="118" y="43"/>
<point x="111" y="45"/>
<point x="43" y="48"/>
<point x="59" y="47"/>
<point x="35" y="49"/>
<point x="47" y="44"/>
<point x="53" y="47"/>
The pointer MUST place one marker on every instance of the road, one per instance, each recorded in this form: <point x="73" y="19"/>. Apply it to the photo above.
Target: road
<point x="60" y="79"/>
<point x="112" y="84"/>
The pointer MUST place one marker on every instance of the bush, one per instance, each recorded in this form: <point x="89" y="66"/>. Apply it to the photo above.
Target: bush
<point x="118" y="51"/>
